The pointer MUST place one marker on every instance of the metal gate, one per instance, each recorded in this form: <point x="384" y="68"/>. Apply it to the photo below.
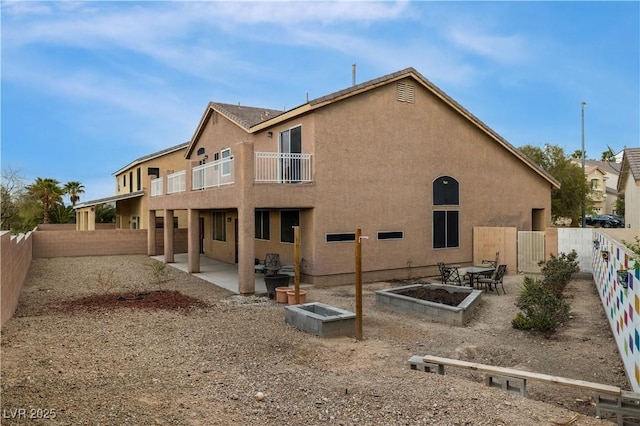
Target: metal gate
<point x="530" y="251"/>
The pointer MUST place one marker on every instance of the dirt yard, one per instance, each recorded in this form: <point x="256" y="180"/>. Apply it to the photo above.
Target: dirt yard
<point x="94" y="342"/>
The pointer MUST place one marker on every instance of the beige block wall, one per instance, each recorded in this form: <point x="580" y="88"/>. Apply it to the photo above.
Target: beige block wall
<point x="489" y="240"/>
<point x="16" y="253"/>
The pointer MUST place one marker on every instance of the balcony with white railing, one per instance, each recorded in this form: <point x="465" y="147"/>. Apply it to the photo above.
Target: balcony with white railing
<point x="176" y="182"/>
<point x="213" y="174"/>
<point x="156" y="187"/>
<point x="274" y="167"/>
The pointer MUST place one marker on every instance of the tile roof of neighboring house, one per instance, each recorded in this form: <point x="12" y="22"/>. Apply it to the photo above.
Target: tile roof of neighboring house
<point x="630" y="167"/>
<point x="152" y="156"/>
<point x="590" y="169"/>
<point x="245" y="116"/>
<point x="606" y="166"/>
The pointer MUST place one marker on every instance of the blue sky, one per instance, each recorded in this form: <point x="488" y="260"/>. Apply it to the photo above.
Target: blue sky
<point x="87" y="87"/>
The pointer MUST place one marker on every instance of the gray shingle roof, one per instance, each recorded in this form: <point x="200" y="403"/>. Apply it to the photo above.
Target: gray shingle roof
<point x="633" y="157"/>
<point x="630" y="167"/>
<point x="153" y="155"/>
<point x="246" y="116"/>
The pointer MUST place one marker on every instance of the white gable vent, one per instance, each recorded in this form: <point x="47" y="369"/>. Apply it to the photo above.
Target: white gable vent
<point x="406" y="93"/>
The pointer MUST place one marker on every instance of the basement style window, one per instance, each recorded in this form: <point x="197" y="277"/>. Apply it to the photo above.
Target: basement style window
<point x="340" y="237"/>
<point x="390" y="235"/>
<point x="262" y="225"/>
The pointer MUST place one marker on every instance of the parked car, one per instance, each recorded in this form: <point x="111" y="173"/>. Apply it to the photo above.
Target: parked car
<point x="604" y="221"/>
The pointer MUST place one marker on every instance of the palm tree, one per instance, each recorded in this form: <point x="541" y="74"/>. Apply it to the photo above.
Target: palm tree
<point x="49" y="193"/>
<point x="74" y="189"/>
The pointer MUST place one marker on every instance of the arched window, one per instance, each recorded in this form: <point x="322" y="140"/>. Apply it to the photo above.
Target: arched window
<point x="446" y="191"/>
<point x="446" y="221"/>
<point x="200" y="151"/>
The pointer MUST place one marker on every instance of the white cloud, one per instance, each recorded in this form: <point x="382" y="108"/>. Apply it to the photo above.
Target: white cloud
<point x="504" y="49"/>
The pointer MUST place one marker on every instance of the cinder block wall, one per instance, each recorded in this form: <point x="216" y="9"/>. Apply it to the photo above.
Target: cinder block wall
<point x="17" y="252"/>
<point x="580" y="240"/>
<point x="89" y="243"/>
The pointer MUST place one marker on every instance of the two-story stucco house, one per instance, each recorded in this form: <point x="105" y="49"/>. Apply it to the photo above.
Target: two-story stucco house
<point x="132" y="191"/>
<point x="395" y="157"/>
<point x="629" y="186"/>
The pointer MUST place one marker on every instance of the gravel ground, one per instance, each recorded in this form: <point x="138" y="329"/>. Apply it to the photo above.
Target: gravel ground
<point x="205" y="365"/>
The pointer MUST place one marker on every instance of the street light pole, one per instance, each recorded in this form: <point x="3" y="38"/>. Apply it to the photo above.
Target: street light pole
<point x="584" y="195"/>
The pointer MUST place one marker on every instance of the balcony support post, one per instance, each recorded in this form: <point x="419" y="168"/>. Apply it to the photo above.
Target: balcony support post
<point x="244" y="152"/>
<point x="193" y="240"/>
<point x="151" y="234"/>
<point x="168" y="236"/>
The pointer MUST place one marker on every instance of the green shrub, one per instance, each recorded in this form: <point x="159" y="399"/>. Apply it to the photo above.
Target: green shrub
<point x="559" y="270"/>
<point x="542" y="309"/>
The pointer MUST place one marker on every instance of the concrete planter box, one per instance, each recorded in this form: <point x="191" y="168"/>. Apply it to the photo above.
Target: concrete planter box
<point x="321" y="319"/>
<point x="454" y="315"/>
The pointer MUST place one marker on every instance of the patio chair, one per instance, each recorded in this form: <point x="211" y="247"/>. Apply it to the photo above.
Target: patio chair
<point x="491" y="263"/>
<point x="450" y="274"/>
<point x="272" y="264"/>
<point x="496" y="278"/>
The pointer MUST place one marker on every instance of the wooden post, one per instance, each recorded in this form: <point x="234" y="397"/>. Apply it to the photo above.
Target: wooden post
<point x="296" y="262"/>
<point x="358" y="285"/>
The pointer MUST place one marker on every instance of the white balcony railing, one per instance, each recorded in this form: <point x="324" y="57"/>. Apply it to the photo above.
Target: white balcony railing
<point x="176" y="182"/>
<point x="213" y="174"/>
<point x="282" y="168"/>
<point x="156" y="187"/>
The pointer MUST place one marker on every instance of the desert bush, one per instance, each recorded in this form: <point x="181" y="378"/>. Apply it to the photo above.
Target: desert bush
<point x="559" y="270"/>
<point x="105" y="281"/>
<point x="159" y="272"/>
<point x="542" y="308"/>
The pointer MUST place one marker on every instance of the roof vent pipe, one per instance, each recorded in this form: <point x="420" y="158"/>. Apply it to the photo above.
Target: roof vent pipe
<point x="353" y="74"/>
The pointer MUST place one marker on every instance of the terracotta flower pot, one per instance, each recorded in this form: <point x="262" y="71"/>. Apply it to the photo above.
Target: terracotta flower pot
<point x="281" y="294"/>
<point x="291" y="294"/>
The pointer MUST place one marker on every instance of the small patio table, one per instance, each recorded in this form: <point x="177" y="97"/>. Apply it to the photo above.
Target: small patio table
<point x="477" y="270"/>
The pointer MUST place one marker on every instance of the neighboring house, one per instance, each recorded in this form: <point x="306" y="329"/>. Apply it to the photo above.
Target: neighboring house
<point x="132" y="192"/>
<point x="395" y="157"/>
<point x="629" y="185"/>
<point x="603" y="176"/>
<point x="597" y="178"/>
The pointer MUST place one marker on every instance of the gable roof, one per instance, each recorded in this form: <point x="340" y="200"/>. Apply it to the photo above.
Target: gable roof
<point x="610" y="167"/>
<point x="151" y="157"/>
<point x="244" y="117"/>
<point x="247" y="117"/>
<point x="630" y="167"/>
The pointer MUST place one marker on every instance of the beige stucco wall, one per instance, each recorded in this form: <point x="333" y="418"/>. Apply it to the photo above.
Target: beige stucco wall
<point x="383" y="160"/>
<point x="632" y="203"/>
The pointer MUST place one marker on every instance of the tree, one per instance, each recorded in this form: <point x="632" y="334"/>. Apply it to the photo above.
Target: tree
<point x="608" y="155"/>
<point x="48" y="192"/>
<point x="62" y="214"/>
<point x="566" y="202"/>
<point x="619" y="205"/>
<point x="11" y="190"/>
<point x="577" y="154"/>
<point x="105" y="213"/>
<point x="73" y="189"/>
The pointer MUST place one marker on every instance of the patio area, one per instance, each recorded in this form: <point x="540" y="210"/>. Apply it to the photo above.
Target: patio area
<point x="222" y="274"/>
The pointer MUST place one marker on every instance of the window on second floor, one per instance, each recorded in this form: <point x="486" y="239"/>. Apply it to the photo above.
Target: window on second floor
<point x="594" y="183"/>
